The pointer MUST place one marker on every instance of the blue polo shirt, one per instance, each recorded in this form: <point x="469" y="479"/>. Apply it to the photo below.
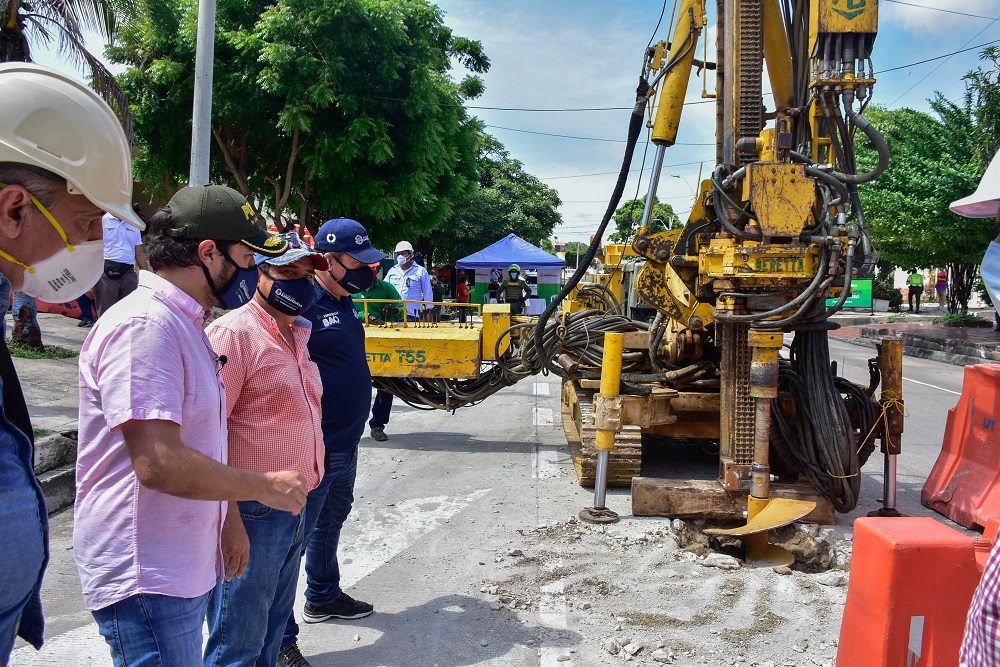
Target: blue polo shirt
<point x="337" y="346"/>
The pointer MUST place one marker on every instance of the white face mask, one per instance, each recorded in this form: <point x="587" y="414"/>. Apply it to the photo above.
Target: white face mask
<point x="990" y="272"/>
<point x="66" y="275"/>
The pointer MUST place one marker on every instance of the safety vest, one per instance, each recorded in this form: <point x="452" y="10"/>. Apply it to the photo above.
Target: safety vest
<point x="915" y="280"/>
<point x="514" y="290"/>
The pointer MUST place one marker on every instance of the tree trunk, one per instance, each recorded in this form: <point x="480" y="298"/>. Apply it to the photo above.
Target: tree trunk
<point x="963" y="274"/>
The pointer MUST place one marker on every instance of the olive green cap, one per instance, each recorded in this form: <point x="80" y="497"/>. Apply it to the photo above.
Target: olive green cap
<point x="219" y="213"/>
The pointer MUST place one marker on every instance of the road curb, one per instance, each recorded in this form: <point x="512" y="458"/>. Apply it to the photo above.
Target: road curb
<point x="55" y="468"/>
<point x="914" y="346"/>
<point x="59" y="487"/>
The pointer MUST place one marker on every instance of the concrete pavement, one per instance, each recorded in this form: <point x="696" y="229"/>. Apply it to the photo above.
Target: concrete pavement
<point x="462" y="538"/>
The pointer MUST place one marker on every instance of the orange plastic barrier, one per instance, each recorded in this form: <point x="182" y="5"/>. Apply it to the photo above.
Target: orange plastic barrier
<point x="964" y="483"/>
<point x="912" y="581"/>
<point x="69" y="309"/>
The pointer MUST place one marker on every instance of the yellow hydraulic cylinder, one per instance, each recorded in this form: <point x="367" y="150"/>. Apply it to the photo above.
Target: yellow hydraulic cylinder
<point x="607" y="421"/>
<point x="690" y="22"/>
<point x="611" y="376"/>
<point x="778" y="55"/>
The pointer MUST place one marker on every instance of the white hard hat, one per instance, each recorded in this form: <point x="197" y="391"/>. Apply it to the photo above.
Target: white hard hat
<point x="403" y="245"/>
<point x="985" y="201"/>
<point x="52" y="121"/>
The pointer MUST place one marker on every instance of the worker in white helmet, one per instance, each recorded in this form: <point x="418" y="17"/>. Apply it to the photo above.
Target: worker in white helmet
<point x="64" y="161"/>
<point x="413" y="284"/>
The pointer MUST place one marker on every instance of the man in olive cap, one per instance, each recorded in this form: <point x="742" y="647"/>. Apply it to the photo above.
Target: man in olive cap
<point x="151" y="462"/>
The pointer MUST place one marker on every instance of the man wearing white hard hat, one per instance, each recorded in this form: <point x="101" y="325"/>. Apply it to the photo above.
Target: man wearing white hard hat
<point x="413" y="283"/>
<point x="983" y="622"/>
<point x="64" y="161"/>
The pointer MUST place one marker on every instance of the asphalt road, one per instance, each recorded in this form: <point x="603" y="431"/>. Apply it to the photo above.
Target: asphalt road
<point x="462" y="537"/>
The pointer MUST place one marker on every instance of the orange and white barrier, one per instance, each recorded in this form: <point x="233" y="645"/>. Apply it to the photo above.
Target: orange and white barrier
<point x="964" y="483"/>
<point x="912" y="581"/>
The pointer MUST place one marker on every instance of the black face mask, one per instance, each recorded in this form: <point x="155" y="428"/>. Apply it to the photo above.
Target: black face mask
<point x="354" y="280"/>
<point x="292" y="296"/>
<point x="238" y="289"/>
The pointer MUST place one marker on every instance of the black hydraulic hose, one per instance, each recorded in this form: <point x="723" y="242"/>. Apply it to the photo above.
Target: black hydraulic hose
<point x="835" y="183"/>
<point x="721" y="215"/>
<point x="668" y="376"/>
<point x="880" y="144"/>
<point x="877" y="140"/>
<point x="636" y="122"/>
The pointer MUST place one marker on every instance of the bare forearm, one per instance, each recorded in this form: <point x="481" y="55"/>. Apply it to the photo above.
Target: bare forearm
<point x="187" y="473"/>
<point x="164" y="463"/>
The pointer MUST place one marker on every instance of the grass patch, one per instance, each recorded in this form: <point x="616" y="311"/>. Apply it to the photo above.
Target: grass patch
<point x="50" y="352"/>
<point x="40" y="432"/>
<point x="961" y="320"/>
<point x="892" y="319"/>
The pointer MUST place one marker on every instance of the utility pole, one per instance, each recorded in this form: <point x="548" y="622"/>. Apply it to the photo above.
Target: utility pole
<point x="201" y="118"/>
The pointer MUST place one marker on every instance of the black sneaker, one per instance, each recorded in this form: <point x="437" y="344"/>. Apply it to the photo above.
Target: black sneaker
<point x="343" y="607"/>
<point x="378" y="433"/>
<point x="291" y="656"/>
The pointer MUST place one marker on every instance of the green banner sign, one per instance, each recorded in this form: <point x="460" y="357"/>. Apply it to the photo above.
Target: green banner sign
<point x="860" y="296"/>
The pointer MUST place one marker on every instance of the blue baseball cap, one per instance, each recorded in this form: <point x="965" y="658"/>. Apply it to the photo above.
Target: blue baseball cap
<point x="347" y="236"/>
<point x="297" y="249"/>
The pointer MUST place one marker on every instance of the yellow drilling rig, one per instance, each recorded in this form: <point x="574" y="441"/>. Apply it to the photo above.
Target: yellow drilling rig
<point x="773" y="239"/>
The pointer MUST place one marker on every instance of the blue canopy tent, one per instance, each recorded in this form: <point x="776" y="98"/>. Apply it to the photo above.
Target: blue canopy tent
<point x="512" y="249"/>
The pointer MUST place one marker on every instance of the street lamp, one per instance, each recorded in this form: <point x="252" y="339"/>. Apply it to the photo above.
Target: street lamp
<point x="685" y="183"/>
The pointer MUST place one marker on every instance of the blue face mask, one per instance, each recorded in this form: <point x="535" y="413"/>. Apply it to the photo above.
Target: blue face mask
<point x="238" y="289"/>
<point x="401" y="259"/>
<point x="354" y="280"/>
<point x="291" y="297"/>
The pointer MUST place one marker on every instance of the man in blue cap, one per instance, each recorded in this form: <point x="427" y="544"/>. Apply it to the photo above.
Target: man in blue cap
<point x="337" y="345"/>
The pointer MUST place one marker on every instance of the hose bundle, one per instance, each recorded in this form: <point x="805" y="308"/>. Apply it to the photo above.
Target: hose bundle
<point x="819" y="440"/>
<point x="580" y="337"/>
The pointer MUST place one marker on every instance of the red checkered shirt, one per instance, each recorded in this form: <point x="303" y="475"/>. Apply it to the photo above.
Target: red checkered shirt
<point x="272" y="394"/>
<point x="981" y="643"/>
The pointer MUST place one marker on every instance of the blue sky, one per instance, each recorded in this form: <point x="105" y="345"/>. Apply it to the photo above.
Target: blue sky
<point x="588" y="53"/>
<point x="567" y="54"/>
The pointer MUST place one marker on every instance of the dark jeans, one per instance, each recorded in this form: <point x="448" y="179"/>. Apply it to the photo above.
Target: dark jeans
<point x="247" y="616"/>
<point x="915" y="292"/>
<point x="327" y="509"/>
<point x="381" y="409"/>
<point x="86" y="307"/>
<point x="463" y="313"/>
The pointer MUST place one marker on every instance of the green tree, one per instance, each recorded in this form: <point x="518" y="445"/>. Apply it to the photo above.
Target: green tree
<point x="64" y="22"/>
<point x="574" y="251"/>
<point x="933" y="163"/>
<point x="320" y="108"/>
<point x="628" y="216"/>
<point x="507" y="200"/>
<point x="982" y="100"/>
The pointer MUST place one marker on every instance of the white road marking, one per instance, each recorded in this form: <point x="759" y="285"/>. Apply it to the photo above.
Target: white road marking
<point x="82" y="646"/>
<point x="541" y="416"/>
<point x="541" y="389"/>
<point x="552" y="612"/>
<point x="545" y="463"/>
<point x="933" y="386"/>
<point x="383" y="533"/>
<point x="379" y="535"/>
